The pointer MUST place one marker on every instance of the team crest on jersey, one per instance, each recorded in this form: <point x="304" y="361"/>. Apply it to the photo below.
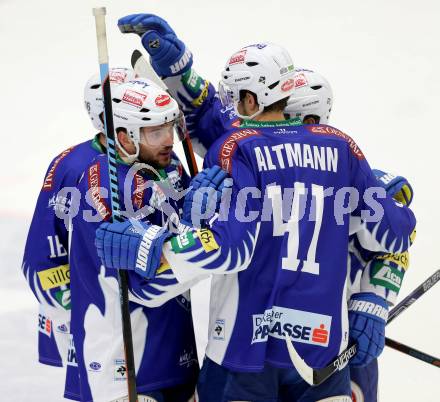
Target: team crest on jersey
<point x="94" y="180"/>
<point x="229" y="147"/>
<point x="328" y="130"/>
<point x="48" y="180"/>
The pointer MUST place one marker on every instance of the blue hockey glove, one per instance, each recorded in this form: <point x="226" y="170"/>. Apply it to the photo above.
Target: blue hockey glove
<point x="396" y="186"/>
<point x="367" y="315"/>
<point x="169" y="55"/>
<point x="131" y="245"/>
<point x="203" y="200"/>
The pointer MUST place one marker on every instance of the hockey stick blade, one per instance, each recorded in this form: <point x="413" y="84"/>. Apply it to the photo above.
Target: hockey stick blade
<point x="317" y="376"/>
<point x="144" y="69"/>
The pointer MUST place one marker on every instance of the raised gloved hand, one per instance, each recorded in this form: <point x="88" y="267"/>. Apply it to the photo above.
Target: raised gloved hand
<point x="203" y="200"/>
<point x="169" y="55"/>
<point x="131" y="245"/>
<point x="396" y="186"/>
<point x="367" y="315"/>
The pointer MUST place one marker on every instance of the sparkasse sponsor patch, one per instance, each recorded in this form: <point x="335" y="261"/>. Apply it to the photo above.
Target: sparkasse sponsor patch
<point x="301" y="326"/>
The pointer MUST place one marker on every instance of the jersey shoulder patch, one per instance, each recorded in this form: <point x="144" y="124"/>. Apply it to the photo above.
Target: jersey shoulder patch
<point x="331" y="131"/>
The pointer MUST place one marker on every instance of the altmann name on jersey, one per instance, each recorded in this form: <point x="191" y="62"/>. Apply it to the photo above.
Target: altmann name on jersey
<point x="301" y="326"/>
<point x="184" y="60"/>
<point x="288" y="155"/>
<point x="144" y="247"/>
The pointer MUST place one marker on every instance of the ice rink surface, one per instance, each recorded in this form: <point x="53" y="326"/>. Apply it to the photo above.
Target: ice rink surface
<point x="381" y="58"/>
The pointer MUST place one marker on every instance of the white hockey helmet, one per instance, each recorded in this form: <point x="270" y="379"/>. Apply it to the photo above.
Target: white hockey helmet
<point x="264" y="69"/>
<point x="141" y="103"/>
<point x="93" y="99"/>
<point x="312" y="96"/>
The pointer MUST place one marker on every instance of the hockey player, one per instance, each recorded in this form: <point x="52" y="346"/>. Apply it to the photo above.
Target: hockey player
<point x="311" y="102"/>
<point x="274" y="278"/>
<point x="145" y="118"/>
<point x="369" y="272"/>
<point x="46" y="261"/>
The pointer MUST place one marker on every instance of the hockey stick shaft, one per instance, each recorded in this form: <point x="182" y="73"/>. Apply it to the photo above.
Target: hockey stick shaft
<point x="317" y="376"/>
<point x="408" y="350"/>
<point x="99" y="14"/>
<point x="414" y="295"/>
<point x="142" y="67"/>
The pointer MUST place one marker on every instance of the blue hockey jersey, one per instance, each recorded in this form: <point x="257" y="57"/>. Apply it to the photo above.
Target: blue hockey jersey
<point x="163" y="338"/>
<point x="299" y="193"/>
<point x="45" y="261"/>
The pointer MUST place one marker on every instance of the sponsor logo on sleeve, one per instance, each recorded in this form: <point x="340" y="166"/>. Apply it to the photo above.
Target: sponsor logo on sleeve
<point x="327" y="130"/>
<point x="182" y="242"/>
<point x="229" y="147"/>
<point x="187" y="359"/>
<point x="203" y="95"/>
<point x="54" y="277"/>
<point x="63" y="298"/>
<point x="44" y="325"/>
<point x="301" y="326"/>
<point x="94" y="180"/>
<point x="387" y="276"/>
<point x="401" y="259"/>
<point x="134" y="98"/>
<point x="192" y="81"/>
<point x="207" y="239"/>
<point x="48" y="180"/>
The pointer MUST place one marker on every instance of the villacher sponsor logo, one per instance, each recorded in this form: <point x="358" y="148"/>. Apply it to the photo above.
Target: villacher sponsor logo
<point x="54" y="277"/>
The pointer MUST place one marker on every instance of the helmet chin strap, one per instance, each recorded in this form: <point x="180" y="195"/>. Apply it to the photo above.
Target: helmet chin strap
<point x="245" y="117"/>
<point x="125" y="156"/>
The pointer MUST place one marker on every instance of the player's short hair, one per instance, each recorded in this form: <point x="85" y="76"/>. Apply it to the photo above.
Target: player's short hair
<point x="278" y="106"/>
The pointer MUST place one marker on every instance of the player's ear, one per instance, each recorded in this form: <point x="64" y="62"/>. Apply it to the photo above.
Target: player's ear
<point x="122" y="136"/>
<point x="309" y="120"/>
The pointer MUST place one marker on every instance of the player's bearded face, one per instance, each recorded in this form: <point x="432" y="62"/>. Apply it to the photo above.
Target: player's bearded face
<point x="156" y="145"/>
